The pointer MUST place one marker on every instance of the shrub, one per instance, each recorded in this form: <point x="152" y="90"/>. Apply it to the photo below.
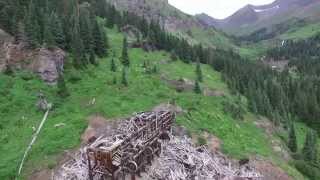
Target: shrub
<point x="27" y="76"/>
<point x="307" y="169"/>
<point x="201" y="141"/>
<point x="75" y="76"/>
<point x="235" y="110"/>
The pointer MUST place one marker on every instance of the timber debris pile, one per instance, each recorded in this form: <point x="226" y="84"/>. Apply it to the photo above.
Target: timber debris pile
<point x="143" y="147"/>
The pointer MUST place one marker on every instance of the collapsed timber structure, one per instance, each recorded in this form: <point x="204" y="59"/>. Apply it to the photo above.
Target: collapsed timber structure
<point x="143" y="147"/>
<point x="130" y="153"/>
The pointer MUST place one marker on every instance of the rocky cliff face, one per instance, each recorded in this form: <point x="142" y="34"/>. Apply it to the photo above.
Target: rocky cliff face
<point x="4" y="38"/>
<point x="171" y="18"/>
<point x="47" y="63"/>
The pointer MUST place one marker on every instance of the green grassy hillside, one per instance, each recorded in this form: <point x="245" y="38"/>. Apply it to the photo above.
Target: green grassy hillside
<point x="241" y="138"/>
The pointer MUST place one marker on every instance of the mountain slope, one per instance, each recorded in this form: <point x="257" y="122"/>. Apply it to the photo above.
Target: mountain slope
<point x="144" y="92"/>
<point x="251" y="18"/>
<point x="176" y="22"/>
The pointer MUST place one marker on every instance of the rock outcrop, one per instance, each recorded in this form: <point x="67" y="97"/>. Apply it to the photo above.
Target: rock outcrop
<point x="4" y="39"/>
<point x="47" y="63"/>
<point x="160" y="10"/>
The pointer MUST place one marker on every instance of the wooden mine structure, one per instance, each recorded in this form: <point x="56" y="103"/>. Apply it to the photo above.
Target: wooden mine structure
<point x="131" y="154"/>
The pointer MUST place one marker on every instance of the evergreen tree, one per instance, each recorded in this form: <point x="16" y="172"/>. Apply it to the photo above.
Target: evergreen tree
<point x="124" y="79"/>
<point x="5" y="19"/>
<point x="77" y="46"/>
<point x="113" y="65"/>
<point x="197" y="88"/>
<point x="48" y="38"/>
<point x="145" y="64"/>
<point x="92" y="58"/>
<point x="111" y="13"/>
<point x="155" y="69"/>
<point x="8" y="70"/>
<point x="77" y="49"/>
<point x="20" y="36"/>
<point x="125" y="56"/>
<point x="57" y="31"/>
<point x="100" y="40"/>
<point x="309" y="151"/>
<point x="84" y="60"/>
<point x="292" y="144"/>
<point x="105" y="39"/>
<point x="32" y="27"/>
<point x="62" y="88"/>
<point x="85" y="29"/>
<point x="114" y="81"/>
<point x="199" y="71"/>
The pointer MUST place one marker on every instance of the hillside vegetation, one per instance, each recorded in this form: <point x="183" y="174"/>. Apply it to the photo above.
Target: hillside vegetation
<point x="113" y="71"/>
<point x="19" y="113"/>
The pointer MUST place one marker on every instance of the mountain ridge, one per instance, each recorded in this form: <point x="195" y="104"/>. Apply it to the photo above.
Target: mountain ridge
<point x="252" y="17"/>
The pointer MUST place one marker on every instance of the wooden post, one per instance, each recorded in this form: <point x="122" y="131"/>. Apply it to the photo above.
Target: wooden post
<point x="89" y="167"/>
<point x="133" y="176"/>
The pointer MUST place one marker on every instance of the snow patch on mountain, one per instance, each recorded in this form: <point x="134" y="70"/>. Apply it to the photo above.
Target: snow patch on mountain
<point x="268" y="9"/>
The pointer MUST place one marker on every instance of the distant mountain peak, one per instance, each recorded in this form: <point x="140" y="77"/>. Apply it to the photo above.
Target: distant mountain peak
<point x="252" y="17"/>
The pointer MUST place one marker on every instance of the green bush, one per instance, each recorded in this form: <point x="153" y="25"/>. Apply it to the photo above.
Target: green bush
<point x="235" y="110"/>
<point x="26" y="75"/>
<point x="201" y="141"/>
<point x="74" y="76"/>
<point x="312" y="172"/>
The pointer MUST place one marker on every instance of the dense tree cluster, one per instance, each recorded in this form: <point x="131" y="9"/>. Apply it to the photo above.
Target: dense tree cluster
<point x="277" y="95"/>
<point x="70" y="25"/>
<point x="297" y="49"/>
<point x="283" y="97"/>
<point x="271" y="32"/>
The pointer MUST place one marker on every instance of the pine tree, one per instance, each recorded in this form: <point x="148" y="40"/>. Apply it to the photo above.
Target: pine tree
<point x="155" y="69"/>
<point x="111" y="13"/>
<point x="124" y="79"/>
<point x="77" y="49"/>
<point x="197" y="88"/>
<point x="92" y="58"/>
<point x="199" y="71"/>
<point x="113" y="65"/>
<point x="309" y="150"/>
<point x="292" y="144"/>
<point x="4" y="19"/>
<point x="85" y="29"/>
<point x="77" y="46"/>
<point x="32" y="27"/>
<point x="145" y="64"/>
<point x="8" y="70"/>
<point x="114" y="81"/>
<point x="62" y="88"/>
<point x="125" y="56"/>
<point x="100" y="40"/>
<point x="57" y="31"/>
<point x="84" y="60"/>
<point x="48" y="38"/>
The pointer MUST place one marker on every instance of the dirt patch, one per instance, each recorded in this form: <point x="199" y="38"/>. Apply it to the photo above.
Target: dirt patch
<point x="278" y="65"/>
<point x="277" y="144"/>
<point x="213" y="143"/>
<point x="187" y="85"/>
<point x="45" y="174"/>
<point x="266" y="125"/>
<point x="98" y="125"/>
<point x="181" y="85"/>
<point x="270" y="171"/>
<point x="168" y="107"/>
<point x="211" y="92"/>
